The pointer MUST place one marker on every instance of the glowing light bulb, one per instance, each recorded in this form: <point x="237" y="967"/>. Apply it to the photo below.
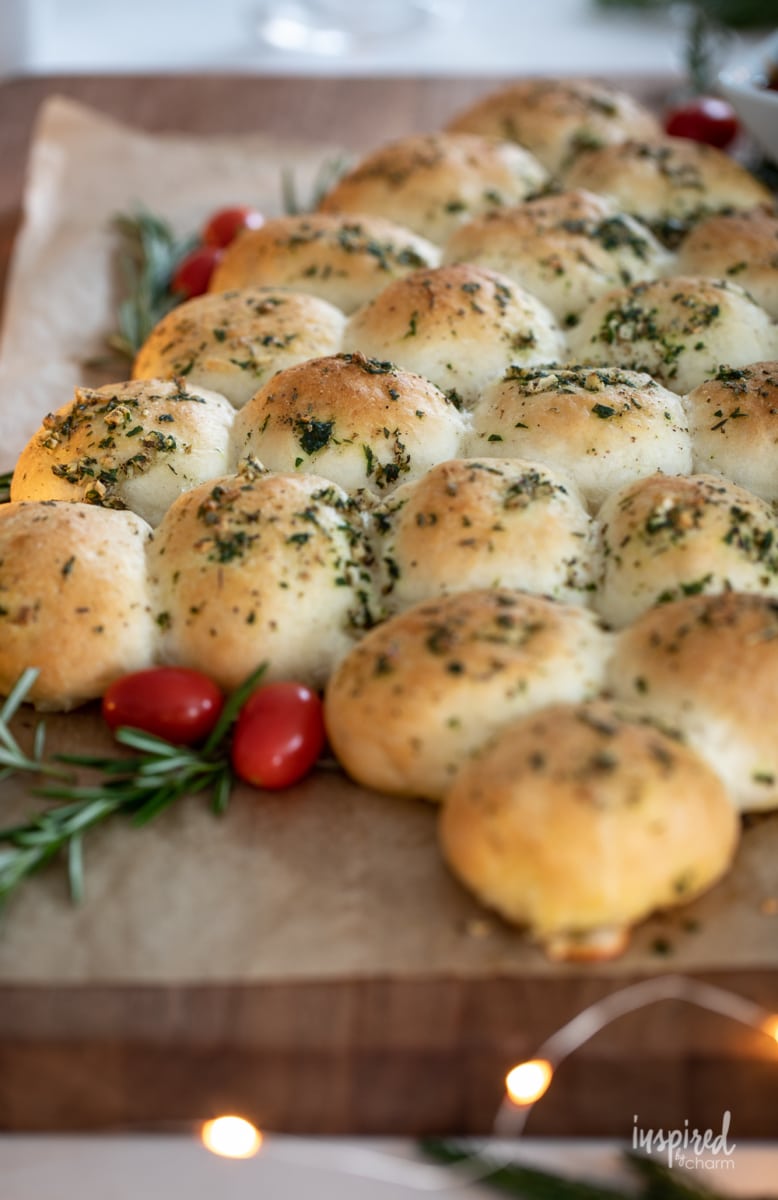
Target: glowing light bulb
<point x="771" y="1027"/>
<point x="231" y="1137"/>
<point x="527" y="1082"/>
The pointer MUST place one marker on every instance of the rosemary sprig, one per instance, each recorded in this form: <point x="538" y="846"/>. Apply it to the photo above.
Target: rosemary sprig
<point x="326" y="177"/>
<point x="139" y="786"/>
<point x="5" y="487"/>
<point x="657" y="1181"/>
<point x="148" y="259"/>
<point x="517" y="1180"/>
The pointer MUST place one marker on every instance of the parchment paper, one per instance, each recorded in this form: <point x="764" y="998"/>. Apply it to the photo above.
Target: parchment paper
<point x="83" y="170"/>
<point x="328" y="881"/>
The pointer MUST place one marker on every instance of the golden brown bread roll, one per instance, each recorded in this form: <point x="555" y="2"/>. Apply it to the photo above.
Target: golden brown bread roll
<point x="257" y="567"/>
<point x="127" y="445"/>
<point x="667" y="537"/>
<point x="733" y="419"/>
<point x="232" y="342"/>
<point x="707" y="666"/>
<point x="566" y="249"/>
<point x="345" y="260"/>
<point x="736" y="245"/>
<point x="679" y="330"/>
<point x="484" y="523"/>
<point x="423" y="690"/>
<point x="603" y="427"/>
<point x="577" y="823"/>
<point x="459" y="326"/>
<point x="74" y="601"/>
<point x="355" y="420"/>
<point x="557" y="118"/>
<point x="433" y="182"/>
<point x="667" y="182"/>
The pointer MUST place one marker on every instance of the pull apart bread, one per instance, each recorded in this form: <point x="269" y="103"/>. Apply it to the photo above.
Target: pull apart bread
<point x="513" y="512"/>
<point x="345" y="260"/>
<point x="433" y="183"/>
<point x="567" y="249"/>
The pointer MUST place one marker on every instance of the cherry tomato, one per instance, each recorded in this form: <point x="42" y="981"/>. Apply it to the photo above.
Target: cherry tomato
<point x="174" y="703"/>
<point x="193" y="273"/>
<point x="278" y="735"/>
<point x="704" y="119"/>
<point x="225" y="225"/>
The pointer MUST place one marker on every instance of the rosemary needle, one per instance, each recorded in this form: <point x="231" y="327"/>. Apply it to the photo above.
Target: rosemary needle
<point x="139" y="785"/>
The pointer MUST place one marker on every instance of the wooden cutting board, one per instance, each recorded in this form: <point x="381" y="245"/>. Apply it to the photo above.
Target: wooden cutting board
<point x="307" y="959"/>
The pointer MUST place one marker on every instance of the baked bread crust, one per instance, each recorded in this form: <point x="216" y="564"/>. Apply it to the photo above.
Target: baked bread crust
<point x="434" y="182"/>
<point x="602" y="426"/>
<point x="679" y="330"/>
<point x="357" y="421"/>
<point x="484" y="523"/>
<point x="575" y="820"/>
<point x="255" y="568"/>
<point x="343" y="259"/>
<point x="74" y="599"/>
<point x="740" y="245"/>
<point x="557" y="118"/>
<point x="459" y="326"/>
<point x="422" y="691"/>
<point x="667" y="182"/>
<point x="666" y="537"/>
<point x="566" y="249"/>
<point x="232" y="342"/>
<point x="733" y="419"/>
<point x="127" y="445"/>
<point x="707" y="667"/>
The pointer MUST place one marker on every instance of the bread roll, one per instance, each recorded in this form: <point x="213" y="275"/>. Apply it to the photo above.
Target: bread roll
<point x="566" y="249"/>
<point x="433" y="182"/>
<point x="459" y="326"/>
<point x="420" y="692"/>
<point x="345" y="260"/>
<point x="734" y="424"/>
<point x="484" y="523"/>
<point x="357" y="421"/>
<point x="664" y="538"/>
<point x="707" y="667"/>
<point x="232" y="342"/>
<point x="255" y="568"/>
<point x="556" y="118"/>
<point x="578" y="823"/>
<point x="738" y="245"/>
<point x="127" y="445"/>
<point x="667" y="182"/>
<point x="679" y="330"/>
<point x="74" y="600"/>
<point x="603" y="427"/>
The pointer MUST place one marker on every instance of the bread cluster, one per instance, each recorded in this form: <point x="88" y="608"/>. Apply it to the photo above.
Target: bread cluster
<point x="485" y="447"/>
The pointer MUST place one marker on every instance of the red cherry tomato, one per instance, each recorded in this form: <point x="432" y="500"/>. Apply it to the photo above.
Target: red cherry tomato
<point x="278" y="735"/>
<point x="704" y="119"/>
<point x="174" y="703"/>
<point x="193" y="273"/>
<point x="225" y="225"/>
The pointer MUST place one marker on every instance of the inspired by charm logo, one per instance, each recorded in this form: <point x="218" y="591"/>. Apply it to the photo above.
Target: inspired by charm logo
<point x="692" y="1149"/>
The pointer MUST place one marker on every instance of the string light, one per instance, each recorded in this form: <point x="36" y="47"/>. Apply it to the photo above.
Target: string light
<point x="512" y="1115"/>
<point x="528" y="1081"/>
<point x="770" y="1027"/>
<point x="231" y="1137"/>
<point x="525" y="1085"/>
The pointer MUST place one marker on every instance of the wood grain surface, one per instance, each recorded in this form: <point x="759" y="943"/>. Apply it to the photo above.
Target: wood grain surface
<point x="122" y="1025"/>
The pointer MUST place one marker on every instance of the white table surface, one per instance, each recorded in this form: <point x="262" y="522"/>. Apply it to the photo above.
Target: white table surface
<point x="478" y="37"/>
<point x="165" y="1168"/>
